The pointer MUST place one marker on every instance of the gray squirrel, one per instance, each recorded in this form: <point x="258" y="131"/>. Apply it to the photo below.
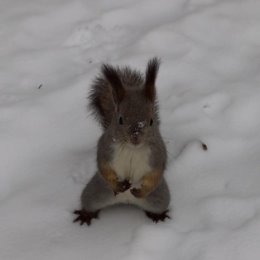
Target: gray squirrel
<point x="131" y="154"/>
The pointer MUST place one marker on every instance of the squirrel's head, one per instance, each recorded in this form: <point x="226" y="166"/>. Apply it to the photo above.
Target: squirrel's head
<point x="135" y="120"/>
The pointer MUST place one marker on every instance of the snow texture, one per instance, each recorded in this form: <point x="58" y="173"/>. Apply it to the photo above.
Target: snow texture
<point x="208" y="89"/>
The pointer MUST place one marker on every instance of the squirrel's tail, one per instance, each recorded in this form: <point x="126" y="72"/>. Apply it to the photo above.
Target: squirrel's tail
<point x="101" y="101"/>
<point x="106" y="91"/>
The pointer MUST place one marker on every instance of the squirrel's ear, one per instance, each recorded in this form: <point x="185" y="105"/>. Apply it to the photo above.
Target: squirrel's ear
<point x="113" y="78"/>
<point x="150" y="78"/>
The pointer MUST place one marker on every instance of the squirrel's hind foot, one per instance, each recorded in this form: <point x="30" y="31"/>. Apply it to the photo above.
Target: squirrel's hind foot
<point x="156" y="217"/>
<point x="85" y="217"/>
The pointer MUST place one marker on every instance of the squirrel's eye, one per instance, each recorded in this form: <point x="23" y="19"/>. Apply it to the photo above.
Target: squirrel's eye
<point x="121" y="120"/>
<point x="151" y="122"/>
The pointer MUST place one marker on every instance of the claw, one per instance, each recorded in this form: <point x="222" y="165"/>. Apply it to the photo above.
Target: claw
<point x="155" y="217"/>
<point x="85" y="217"/>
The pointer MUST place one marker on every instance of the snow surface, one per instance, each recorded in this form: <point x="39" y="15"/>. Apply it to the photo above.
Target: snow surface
<point x="208" y="91"/>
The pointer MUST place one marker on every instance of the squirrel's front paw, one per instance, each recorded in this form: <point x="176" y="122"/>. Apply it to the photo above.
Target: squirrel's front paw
<point x="138" y="193"/>
<point x="122" y="186"/>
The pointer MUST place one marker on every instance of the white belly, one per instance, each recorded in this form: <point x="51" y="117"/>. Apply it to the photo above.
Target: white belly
<point x="131" y="163"/>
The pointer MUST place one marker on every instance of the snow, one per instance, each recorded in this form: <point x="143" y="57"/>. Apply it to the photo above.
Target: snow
<point x="208" y="89"/>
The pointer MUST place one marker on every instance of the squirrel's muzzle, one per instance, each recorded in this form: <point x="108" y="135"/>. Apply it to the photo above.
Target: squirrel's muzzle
<point x="136" y="133"/>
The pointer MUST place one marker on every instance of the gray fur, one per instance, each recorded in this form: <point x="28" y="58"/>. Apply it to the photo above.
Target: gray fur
<point x="98" y="195"/>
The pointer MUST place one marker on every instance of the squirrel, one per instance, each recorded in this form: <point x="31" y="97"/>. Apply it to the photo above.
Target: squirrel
<point x="131" y="154"/>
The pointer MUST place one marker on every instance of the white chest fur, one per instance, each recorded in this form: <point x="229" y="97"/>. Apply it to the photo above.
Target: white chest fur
<point x="131" y="163"/>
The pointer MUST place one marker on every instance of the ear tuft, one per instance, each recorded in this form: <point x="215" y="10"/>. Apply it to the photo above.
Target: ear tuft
<point x="111" y="75"/>
<point x="150" y="78"/>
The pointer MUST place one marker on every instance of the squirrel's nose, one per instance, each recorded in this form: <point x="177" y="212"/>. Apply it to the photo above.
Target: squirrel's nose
<point x="136" y="133"/>
<point x="135" y="137"/>
<point x="135" y="130"/>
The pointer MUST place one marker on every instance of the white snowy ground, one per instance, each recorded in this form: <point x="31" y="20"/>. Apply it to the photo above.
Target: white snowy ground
<point x="208" y="90"/>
